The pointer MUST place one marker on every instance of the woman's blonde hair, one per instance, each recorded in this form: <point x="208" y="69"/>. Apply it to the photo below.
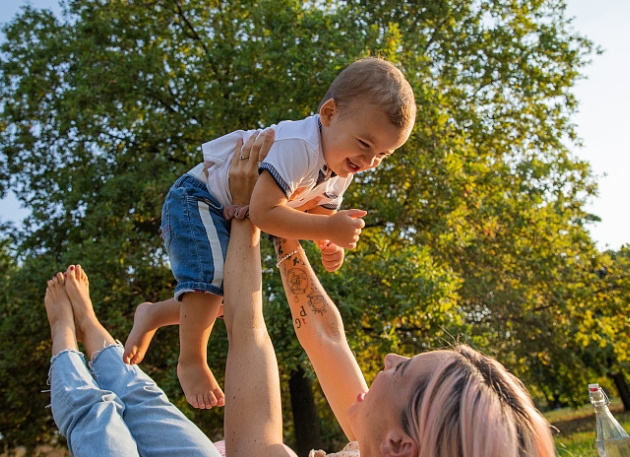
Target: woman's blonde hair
<point x="376" y="81"/>
<point x="471" y="406"/>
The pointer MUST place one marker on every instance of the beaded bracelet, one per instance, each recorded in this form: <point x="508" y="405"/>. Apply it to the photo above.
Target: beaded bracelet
<point x="288" y="256"/>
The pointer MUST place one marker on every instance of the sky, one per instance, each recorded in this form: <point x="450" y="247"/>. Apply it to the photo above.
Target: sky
<point x="604" y="97"/>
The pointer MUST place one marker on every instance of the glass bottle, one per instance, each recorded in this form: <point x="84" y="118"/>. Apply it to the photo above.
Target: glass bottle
<point x="611" y="439"/>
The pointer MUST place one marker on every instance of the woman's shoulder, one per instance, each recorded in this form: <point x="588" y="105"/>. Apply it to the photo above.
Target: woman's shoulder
<point x="351" y="450"/>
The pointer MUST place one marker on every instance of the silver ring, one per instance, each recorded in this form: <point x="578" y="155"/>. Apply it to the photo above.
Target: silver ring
<point x="259" y="163"/>
<point x="243" y="158"/>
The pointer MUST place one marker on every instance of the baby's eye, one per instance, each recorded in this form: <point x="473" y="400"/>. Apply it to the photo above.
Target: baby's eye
<point x="364" y="144"/>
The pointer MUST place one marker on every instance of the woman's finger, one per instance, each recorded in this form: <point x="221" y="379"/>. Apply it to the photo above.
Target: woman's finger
<point x="235" y="156"/>
<point x="244" y="152"/>
<point x="258" y="148"/>
<point x="265" y="143"/>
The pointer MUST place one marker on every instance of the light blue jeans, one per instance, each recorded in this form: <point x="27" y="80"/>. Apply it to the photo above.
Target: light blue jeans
<point x="118" y="410"/>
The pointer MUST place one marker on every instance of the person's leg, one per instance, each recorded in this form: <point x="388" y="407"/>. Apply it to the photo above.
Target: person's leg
<point x="198" y="313"/>
<point x="146" y="320"/>
<point x="158" y="427"/>
<point x="195" y="236"/>
<point x="90" y="331"/>
<point x="89" y="417"/>
<point x="60" y="317"/>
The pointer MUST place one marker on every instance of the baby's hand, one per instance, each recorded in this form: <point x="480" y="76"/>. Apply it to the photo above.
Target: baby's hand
<point x="332" y="255"/>
<point x="345" y="227"/>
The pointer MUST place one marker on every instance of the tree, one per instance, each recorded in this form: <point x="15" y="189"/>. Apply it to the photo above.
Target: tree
<point x="476" y="227"/>
<point x="605" y="326"/>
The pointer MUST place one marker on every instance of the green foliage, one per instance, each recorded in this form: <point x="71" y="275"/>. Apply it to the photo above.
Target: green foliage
<point x="476" y="227"/>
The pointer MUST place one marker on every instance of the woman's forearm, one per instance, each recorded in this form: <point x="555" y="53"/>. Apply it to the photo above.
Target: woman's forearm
<point x="253" y="413"/>
<point x="319" y="328"/>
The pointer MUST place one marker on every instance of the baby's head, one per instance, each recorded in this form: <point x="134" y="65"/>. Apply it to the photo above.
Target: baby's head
<point x="367" y="113"/>
<point x="376" y="81"/>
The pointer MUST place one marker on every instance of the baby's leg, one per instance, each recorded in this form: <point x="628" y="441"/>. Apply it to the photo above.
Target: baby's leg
<point x="147" y="319"/>
<point x="197" y="316"/>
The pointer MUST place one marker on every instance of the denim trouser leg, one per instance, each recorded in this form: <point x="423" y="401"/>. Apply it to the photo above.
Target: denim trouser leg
<point x="159" y="428"/>
<point x="90" y="418"/>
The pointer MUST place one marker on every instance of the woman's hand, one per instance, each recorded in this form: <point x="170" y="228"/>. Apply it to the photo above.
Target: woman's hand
<point x="243" y="172"/>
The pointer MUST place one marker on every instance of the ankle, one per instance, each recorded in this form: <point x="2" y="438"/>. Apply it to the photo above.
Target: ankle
<point x="61" y="325"/>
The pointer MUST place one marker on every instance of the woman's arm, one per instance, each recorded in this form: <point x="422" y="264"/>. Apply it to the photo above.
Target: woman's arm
<point x="253" y="413"/>
<point x="319" y="328"/>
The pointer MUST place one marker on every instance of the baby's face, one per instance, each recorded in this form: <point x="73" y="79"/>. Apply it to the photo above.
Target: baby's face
<point x="358" y="137"/>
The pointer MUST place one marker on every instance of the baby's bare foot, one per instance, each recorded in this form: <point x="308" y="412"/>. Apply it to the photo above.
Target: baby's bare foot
<point x="140" y="336"/>
<point x="200" y="387"/>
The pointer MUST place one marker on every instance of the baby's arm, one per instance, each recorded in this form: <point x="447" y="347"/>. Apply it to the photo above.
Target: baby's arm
<point x="268" y="210"/>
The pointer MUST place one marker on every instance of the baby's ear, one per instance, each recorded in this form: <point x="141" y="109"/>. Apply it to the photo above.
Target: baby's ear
<point x="398" y="444"/>
<point x="327" y="111"/>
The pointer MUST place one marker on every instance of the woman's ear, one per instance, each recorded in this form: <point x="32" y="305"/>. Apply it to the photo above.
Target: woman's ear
<point x="398" y="444"/>
<point x="327" y="111"/>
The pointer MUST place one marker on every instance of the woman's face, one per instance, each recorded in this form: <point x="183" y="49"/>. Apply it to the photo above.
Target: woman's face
<point x="378" y="412"/>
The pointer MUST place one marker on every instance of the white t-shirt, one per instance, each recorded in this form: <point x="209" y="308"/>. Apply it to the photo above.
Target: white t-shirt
<point x="295" y="161"/>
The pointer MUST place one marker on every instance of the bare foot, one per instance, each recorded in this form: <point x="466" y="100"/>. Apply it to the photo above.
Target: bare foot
<point x="141" y="334"/>
<point x="78" y="288"/>
<point x="89" y="330"/>
<point x="60" y="315"/>
<point x="200" y="387"/>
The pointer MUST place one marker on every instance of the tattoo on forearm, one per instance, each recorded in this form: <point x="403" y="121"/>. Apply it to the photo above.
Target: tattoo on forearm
<point x="299" y="284"/>
<point x="317" y="302"/>
<point x="278" y="243"/>
<point x="298" y="280"/>
<point x="299" y="321"/>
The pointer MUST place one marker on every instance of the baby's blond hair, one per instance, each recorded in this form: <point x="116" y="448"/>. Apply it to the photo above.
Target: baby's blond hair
<point x="379" y="82"/>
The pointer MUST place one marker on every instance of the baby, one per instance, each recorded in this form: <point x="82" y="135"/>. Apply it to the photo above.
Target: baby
<point x="367" y="113"/>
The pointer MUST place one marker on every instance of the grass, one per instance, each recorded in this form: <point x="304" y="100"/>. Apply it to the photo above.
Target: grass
<point x="575" y="434"/>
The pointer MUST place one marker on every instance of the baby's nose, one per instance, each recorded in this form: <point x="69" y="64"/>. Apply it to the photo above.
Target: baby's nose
<point x="367" y="161"/>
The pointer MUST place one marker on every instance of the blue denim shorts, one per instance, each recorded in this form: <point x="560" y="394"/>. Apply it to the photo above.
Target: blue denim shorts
<point x="195" y="236"/>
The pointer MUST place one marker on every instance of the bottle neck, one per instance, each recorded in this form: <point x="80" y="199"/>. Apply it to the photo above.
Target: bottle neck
<point x="601" y="408"/>
<point x="599" y="399"/>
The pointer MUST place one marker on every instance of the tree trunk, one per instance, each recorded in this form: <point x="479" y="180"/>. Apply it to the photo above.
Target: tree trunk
<point x="555" y="403"/>
<point x="305" y="419"/>
<point x="622" y="388"/>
